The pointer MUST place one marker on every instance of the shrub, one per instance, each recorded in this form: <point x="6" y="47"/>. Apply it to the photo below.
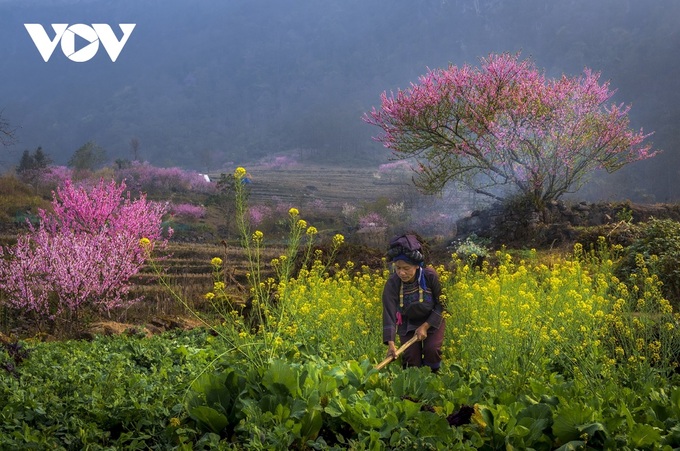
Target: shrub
<point x="658" y="245"/>
<point x="473" y="246"/>
<point x="53" y="177"/>
<point x="153" y="180"/>
<point x="188" y="211"/>
<point x="372" y="220"/>
<point x="259" y="213"/>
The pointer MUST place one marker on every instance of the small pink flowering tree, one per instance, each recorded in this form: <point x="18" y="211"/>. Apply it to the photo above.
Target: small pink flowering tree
<point x="505" y="125"/>
<point x="83" y="254"/>
<point x="188" y="211"/>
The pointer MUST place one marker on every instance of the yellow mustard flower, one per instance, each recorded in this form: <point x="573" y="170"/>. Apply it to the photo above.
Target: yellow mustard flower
<point x="240" y="172"/>
<point x="216" y="261"/>
<point x="312" y="231"/>
<point x="293" y="212"/>
<point x="210" y="295"/>
<point x="144" y="242"/>
<point x="257" y="236"/>
<point x="338" y="240"/>
<point x="302" y="223"/>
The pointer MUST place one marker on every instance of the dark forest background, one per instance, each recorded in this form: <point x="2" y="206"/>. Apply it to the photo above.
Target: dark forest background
<point x="207" y="84"/>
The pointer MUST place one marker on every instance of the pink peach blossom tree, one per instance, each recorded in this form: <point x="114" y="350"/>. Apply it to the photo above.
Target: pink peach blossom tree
<point x="504" y="128"/>
<point x="83" y="253"/>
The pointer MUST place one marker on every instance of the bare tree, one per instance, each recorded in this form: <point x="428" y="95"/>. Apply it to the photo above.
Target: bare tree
<point x="134" y="148"/>
<point x="7" y="137"/>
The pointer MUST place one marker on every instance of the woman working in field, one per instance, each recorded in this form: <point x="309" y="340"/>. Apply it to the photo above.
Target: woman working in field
<point x="411" y="305"/>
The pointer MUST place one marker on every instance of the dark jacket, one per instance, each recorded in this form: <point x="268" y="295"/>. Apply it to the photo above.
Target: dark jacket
<point x="414" y="313"/>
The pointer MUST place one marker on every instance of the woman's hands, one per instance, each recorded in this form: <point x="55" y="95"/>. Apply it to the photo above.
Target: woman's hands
<point x="421" y="332"/>
<point x="391" y="350"/>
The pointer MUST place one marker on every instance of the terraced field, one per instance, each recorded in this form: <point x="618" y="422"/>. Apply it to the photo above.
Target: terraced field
<point x="189" y="267"/>
<point x="334" y="186"/>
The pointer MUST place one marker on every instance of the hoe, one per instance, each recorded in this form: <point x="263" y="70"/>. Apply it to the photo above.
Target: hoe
<point x="401" y="349"/>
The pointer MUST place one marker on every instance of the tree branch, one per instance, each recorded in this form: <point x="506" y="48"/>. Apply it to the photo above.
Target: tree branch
<point x="7" y="133"/>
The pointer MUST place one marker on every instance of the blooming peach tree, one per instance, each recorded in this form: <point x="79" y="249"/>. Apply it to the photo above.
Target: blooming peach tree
<point x="504" y="128"/>
<point x="83" y="253"/>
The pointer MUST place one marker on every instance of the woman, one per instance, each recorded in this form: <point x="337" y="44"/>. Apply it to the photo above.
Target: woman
<point x="411" y="305"/>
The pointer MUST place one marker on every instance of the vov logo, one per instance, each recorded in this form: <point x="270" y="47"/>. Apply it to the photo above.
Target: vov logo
<point x="92" y="35"/>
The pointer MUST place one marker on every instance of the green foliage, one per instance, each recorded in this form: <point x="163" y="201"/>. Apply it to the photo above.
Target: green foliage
<point x="31" y="165"/>
<point x="625" y="215"/>
<point x="212" y="402"/>
<point x="658" y="247"/>
<point x="18" y="201"/>
<point x="88" y="157"/>
<point x="117" y="392"/>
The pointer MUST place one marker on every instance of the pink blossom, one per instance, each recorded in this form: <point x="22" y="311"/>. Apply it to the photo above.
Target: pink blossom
<point x="83" y="253"/>
<point x="505" y="124"/>
<point x="372" y="219"/>
<point x="188" y="211"/>
<point x="151" y="179"/>
<point x="258" y="214"/>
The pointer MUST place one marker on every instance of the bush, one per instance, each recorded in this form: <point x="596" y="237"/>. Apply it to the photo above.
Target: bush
<point x="188" y="211"/>
<point x="659" y="246"/>
<point x="473" y="246"/>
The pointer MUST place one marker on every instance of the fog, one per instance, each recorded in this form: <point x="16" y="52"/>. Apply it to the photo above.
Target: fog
<point x="207" y="84"/>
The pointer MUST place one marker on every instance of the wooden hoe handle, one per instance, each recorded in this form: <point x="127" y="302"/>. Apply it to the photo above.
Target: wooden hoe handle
<point x="401" y="349"/>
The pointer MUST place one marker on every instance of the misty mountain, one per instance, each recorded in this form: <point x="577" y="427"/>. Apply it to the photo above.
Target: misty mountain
<point x="203" y="84"/>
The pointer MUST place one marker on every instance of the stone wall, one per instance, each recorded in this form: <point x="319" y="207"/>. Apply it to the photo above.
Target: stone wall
<point x="559" y="223"/>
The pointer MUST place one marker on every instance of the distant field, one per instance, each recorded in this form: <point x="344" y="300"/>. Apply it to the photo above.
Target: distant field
<point x="335" y="186"/>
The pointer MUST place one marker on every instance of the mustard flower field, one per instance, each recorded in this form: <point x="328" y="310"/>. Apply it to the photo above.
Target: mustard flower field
<point x="543" y="356"/>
